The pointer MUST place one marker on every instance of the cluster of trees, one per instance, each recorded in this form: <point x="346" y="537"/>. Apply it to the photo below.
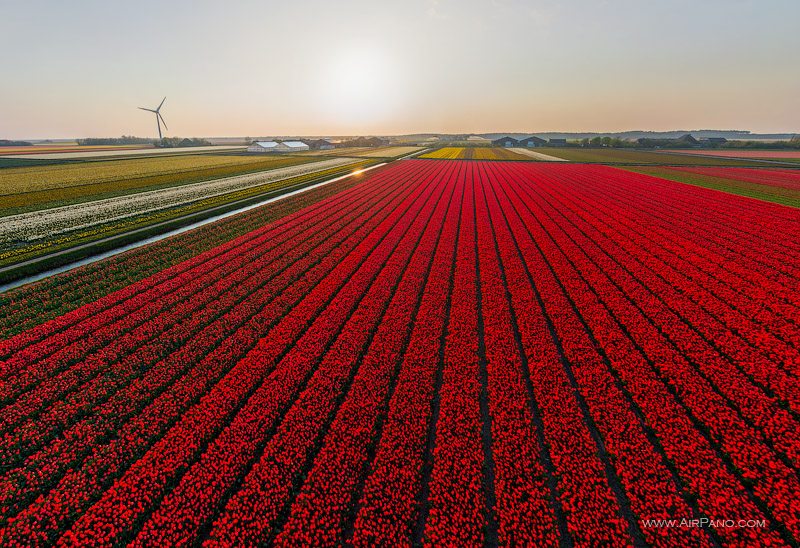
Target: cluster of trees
<point x="166" y="142"/>
<point x="613" y="142"/>
<point x="793" y="143"/>
<point x="124" y="140"/>
<point x="7" y="143"/>
<point x="173" y="142"/>
<point x="365" y="142"/>
<point x="685" y="141"/>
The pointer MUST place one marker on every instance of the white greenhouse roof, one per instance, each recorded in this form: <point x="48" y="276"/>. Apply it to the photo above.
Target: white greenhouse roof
<point x="266" y="144"/>
<point x="295" y="144"/>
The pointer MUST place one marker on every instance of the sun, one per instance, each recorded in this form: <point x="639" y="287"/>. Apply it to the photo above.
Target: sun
<point x="358" y="85"/>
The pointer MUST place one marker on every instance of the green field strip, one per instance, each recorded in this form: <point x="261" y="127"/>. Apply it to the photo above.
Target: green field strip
<point x="765" y="193"/>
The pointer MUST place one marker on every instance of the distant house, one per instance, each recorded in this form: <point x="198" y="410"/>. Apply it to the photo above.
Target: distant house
<point x="318" y="144"/>
<point x="557" y="142"/>
<point x="532" y="142"/>
<point x="263" y="146"/>
<point x="684" y="141"/>
<point x="714" y="141"/>
<point x="506" y="142"/>
<point x="688" y="139"/>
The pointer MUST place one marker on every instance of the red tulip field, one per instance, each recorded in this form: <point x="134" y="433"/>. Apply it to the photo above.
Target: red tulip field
<point x="450" y="352"/>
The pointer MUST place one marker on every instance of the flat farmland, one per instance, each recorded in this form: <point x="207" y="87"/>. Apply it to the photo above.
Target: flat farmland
<point x="50" y="149"/>
<point x="131" y="198"/>
<point x="781" y="186"/>
<point x="444" y="153"/>
<point x="626" y="156"/>
<point x="30" y="188"/>
<point x="474" y="153"/>
<point x="33" y="304"/>
<point x="537" y="155"/>
<point x="88" y="152"/>
<point x="783" y="155"/>
<point x="387" y="152"/>
<point x="443" y="352"/>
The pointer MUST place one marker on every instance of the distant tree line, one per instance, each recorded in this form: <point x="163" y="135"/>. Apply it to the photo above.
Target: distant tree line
<point x="166" y="142"/>
<point x="685" y="141"/>
<point x="364" y="142"/>
<point x="124" y="140"/>
<point x="173" y="142"/>
<point x="793" y="143"/>
<point x="7" y="143"/>
<point x="613" y="142"/>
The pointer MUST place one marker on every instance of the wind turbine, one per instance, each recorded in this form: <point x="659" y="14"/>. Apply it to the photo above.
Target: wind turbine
<point x="159" y="118"/>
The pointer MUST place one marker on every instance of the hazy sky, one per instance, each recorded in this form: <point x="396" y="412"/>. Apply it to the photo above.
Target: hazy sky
<point x="79" y="68"/>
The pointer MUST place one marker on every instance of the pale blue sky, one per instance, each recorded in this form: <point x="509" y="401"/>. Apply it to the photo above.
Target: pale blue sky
<point x="321" y="67"/>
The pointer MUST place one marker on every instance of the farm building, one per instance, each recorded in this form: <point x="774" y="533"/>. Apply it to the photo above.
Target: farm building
<point x="263" y="146"/>
<point x="558" y="142"/>
<point x="507" y="142"/>
<point x="292" y="146"/>
<point x="276" y="146"/>
<point x="319" y="144"/>
<point x="532" y="141"/>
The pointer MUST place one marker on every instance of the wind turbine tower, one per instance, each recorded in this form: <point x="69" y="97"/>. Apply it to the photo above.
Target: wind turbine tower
<point x="159" y="118"/>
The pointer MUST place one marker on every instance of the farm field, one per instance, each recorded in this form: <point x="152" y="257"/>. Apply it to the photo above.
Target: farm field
<point x="42" y="149"/>
<point x="625" y="156"/>
<point x="30" y="188"/>
<point x="33" y="304"/>
<point x="387" y="152"/>
<point x="474" y="153"/>
<point x="448" y="352"/>
<point x="781" y="186"/>
<point x="29" y="235"/>
<point x="122" y="152"/>
<point x="445" y="153"/>
<point x="745" y="153"/>
<point x="343" y="151"/>
<point x="537" y="155"/>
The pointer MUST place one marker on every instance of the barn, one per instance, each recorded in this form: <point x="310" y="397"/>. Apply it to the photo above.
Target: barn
<point x="292" y="146"/>
<point x="532" y="142"/>
<point x="277" y="146"/>
<point x="263" y="146"/>
<point x="506" y="142"/>
<point x="318" y="144"/>
<point x="558" y="142"/>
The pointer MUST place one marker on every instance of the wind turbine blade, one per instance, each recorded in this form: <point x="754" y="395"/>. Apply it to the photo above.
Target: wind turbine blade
<point x="162" y="120"/>
<point x="162" y="102"/>
<point x="147" y="109"/>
